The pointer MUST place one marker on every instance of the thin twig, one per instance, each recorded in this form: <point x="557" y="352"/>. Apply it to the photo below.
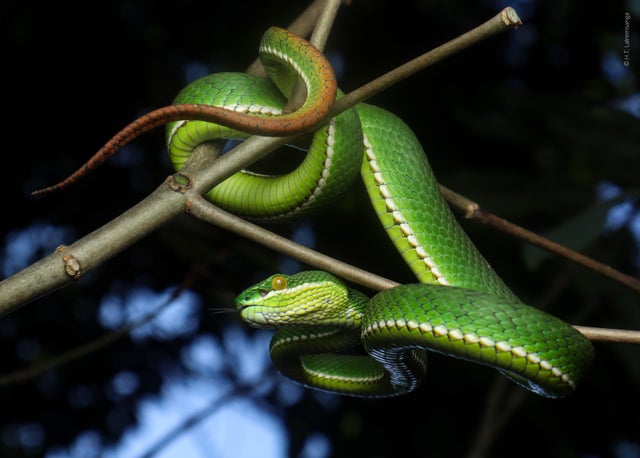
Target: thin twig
<point x="504" y="399"/>
<point x="473" y="211"/>
<point x="487" y="426"/>
<point x="610" y="335"/>
<point x="301" y="26"/>
<point x="506" y="19"/>
<point x="319" y="39"/>
<point x="322" y="29"/>
<point x="101" y="342"/>
<point x="197" y="417"/>
<point x="203" y="210"/>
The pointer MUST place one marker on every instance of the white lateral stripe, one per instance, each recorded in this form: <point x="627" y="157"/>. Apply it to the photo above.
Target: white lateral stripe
<point x="302" y="337"/>
<point x="326" y="167"/>
<point x="290" y="61"/>
<point x="469" y="338"/>
<point x="398" y="218"/>
<point x="340" y="378"/>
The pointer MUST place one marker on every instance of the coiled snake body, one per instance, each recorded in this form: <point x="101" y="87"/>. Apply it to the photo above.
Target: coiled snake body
<point x="461" y="307"/>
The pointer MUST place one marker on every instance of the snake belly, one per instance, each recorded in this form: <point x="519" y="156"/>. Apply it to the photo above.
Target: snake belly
<point x="461" y="307"/>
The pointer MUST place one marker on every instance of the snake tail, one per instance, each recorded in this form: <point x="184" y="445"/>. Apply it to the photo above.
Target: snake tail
<point x="275" y="51"/>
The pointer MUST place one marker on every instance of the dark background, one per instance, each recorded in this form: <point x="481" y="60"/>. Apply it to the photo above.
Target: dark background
<point x="526" y="123"/>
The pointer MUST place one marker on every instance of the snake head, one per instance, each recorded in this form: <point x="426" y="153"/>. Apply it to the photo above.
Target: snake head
<point x="311" y="298"/>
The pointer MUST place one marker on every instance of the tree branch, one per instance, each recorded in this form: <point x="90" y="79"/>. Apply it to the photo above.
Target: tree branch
<point x="505" y="20"/>
<point x="472" y="210"/>
<point x="201" y="172"/>
<point x="204" y="210"/>
<point x="21" y="375"/>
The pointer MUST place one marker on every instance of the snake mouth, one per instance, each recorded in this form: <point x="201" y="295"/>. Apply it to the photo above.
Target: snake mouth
<point x="254" y="316"/>
<point x="245" y="310"/>
<point x="243" y="302"/>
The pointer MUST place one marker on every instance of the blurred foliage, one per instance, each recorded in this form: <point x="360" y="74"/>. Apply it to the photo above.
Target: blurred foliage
<point x="527" y="123"/>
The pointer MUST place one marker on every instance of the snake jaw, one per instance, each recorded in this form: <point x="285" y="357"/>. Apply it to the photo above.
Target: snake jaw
<point x="250" y="305"/>
<point x="260" y="306"/>
<point x="255" y="318"/>
<point x="272" y="310"/>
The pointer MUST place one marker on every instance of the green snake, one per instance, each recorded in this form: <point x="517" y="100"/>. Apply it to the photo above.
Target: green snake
<point x="329" y="336"/>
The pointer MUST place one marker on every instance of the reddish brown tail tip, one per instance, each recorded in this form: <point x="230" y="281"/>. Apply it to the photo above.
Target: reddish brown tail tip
<point x="47" y="190"/>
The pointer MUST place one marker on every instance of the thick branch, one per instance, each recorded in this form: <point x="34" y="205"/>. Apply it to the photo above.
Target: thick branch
<point x="198" y="175"/>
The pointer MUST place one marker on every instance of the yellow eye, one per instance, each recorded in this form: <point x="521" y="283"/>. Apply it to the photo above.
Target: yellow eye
<point x="278" y="283"/>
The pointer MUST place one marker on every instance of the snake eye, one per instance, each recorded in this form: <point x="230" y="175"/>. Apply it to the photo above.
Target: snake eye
<point x="278" y="283"/>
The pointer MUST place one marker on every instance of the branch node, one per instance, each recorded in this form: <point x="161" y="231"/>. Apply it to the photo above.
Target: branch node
<point x="468" y="207"/>
<point x="510" y="17"/>
<point x="72" y="265"/>
<point x="180" y="182"/>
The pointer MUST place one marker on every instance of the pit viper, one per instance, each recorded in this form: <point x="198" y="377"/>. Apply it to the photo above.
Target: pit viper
<point x="329" y="336"/>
